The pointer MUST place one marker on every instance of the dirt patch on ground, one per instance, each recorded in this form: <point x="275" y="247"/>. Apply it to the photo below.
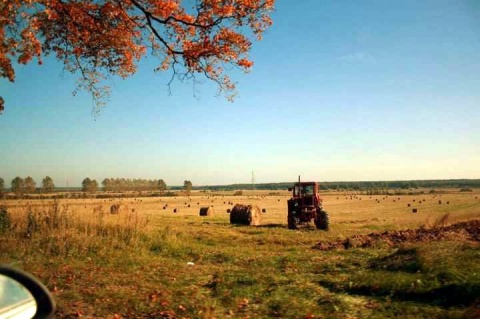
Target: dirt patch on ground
<point x="468" y="230"/>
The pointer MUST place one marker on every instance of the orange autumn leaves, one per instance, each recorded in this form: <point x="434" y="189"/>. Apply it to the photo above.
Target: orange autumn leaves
<point x="96" y="38"/>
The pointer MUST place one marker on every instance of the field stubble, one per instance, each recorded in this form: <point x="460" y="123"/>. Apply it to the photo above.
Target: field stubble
<point x="149" y="262"/>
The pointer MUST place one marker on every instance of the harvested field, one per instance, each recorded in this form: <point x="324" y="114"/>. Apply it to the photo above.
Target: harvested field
<point x="148" y="262"/>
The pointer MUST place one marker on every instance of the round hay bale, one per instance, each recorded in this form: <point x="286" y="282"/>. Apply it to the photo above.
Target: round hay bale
<point x="115" y="209"/>
<point x="440" y="202"/>
<point x="264" y="210"/>
<point x="229" y="210"/>
<point x="414" y="210"/>
<point x="188" y="205"/>
<point x="245" y="215"/>
<point x="206" y="211"/>
<point x="408" y="205"/>
<point x="164" y="207"/>
<point x="175" y="210"/>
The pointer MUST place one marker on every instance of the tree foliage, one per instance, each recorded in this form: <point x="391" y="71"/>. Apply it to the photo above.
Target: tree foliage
<point x="30" y="185"/>
<point x="89" y="185"/>
<point x="98" y="38"/>
<point x="2" y="187"/>
<point x="48" y="185"/>
<point x="187" y="187"/>
<point x="162" y="186"/>
<point x="18" y="185"/>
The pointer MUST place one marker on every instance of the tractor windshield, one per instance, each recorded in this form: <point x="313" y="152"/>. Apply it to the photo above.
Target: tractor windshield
<point x="303" y="190"/>
<point x="307" y="190"/>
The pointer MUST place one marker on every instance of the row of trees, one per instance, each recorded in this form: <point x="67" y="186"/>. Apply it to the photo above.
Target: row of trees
<point x="368" y="186"/>
<point x="28" y="185"/>
<point x="122" y="184"/>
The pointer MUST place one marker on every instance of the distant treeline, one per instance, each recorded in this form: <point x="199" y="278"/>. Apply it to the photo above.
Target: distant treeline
<point x="20" y="186"/>
<point x="361" y="186"/>
<point x="124" y="184"/>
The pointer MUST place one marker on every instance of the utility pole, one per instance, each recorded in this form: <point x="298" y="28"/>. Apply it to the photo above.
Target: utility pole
<point x="253" y="181"/>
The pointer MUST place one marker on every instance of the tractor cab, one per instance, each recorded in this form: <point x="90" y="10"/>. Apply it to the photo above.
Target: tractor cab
<point x="306" y="194"/>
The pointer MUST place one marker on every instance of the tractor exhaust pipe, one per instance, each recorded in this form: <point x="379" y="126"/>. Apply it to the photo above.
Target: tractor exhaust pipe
<point x="299" y="191"/>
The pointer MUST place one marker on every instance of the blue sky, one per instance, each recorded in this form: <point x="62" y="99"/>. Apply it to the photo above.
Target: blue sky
<point x="340" y="90"/>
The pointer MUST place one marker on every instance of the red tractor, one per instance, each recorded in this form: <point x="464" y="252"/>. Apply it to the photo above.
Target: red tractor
<point x="306" y="205"/>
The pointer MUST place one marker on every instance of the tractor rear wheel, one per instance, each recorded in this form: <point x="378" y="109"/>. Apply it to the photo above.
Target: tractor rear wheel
<point x="292" y="221"/>
<point x="322" y="221"/>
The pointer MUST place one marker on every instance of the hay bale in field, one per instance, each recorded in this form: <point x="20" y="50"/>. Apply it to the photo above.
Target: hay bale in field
<point x="408" y="205"/>
<point x="164" y="207"/>
<point x="440" y="202"/>
<point x="175" y="210"/>
<point x="229" y="210"/>
<point x="115" y="209"/>
<point x="245" y="215"/>
<point x="264" y="210"/>
<point x="206" y="211"/>
<point x="414" y="210"/>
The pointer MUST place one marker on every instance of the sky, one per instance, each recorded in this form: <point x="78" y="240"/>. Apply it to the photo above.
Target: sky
<point x="340" y="91"/>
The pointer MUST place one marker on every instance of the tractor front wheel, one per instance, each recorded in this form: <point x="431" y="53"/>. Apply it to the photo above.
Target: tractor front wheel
<point x="322" y="221"/>
<point x="292" y="221"/>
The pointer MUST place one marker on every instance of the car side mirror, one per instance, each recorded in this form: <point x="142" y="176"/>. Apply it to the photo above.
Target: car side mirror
<point x="23" y="296"/>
